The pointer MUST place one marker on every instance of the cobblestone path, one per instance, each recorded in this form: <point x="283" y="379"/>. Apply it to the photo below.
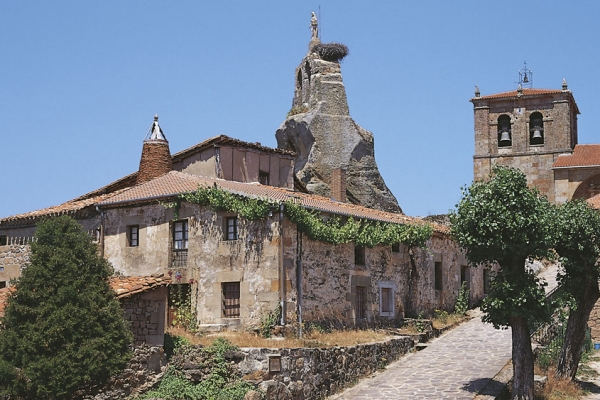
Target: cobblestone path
<point x="457" y="365"/>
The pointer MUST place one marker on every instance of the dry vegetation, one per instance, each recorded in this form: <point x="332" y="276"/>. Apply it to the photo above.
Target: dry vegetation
<point x="312" y="339"/>
<point x="559" y="389"/>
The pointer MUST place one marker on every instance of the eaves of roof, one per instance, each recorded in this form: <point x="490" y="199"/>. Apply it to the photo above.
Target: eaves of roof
<point x="583" y="156"/>
<point x="175" y="183"/>
<point x="223" y="140"/>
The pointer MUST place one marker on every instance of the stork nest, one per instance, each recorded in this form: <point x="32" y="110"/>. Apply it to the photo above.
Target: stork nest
<point x="331" y="51"/>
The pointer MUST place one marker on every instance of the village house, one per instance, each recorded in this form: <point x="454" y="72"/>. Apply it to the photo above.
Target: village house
<point x="237" y="268"/>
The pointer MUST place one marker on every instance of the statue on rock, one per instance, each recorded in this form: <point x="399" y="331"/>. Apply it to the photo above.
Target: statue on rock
<point x="326" y="139"/>
<point x="314" y="25"/>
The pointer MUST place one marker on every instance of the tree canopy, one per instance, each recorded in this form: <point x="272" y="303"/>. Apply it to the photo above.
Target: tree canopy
<point x="63" y="328"/>
<point x="503" y="222"/>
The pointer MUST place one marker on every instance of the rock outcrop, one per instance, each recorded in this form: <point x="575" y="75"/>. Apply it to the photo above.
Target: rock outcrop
<point x="324" y="136"/>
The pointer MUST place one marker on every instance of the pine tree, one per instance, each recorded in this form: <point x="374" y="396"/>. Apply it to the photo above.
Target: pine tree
<point x="63" y="328"/>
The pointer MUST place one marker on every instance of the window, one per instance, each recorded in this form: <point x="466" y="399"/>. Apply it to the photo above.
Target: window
<point x="504" y="131"/>
<point x="386" y="299"/>
<point x="536" y="129"/>
<point x="231" y="228"/>
<point x="361" y="302"/>
<point x="359" y="255"/>
<point x="3" y="240"/>
<point x="231" y="299"/>
<point x="133" y="232"/>
<point x="180" y="235"/>
<point x="2" y="284"/>
<point x="263" y="178"/>
<point x="396" y="247"/>
<point x="438" y="276"/>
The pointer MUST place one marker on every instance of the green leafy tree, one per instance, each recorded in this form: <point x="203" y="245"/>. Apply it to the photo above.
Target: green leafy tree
<point x="578" y="245"/>
<point x="503" y="222"/>
<point x="63" y="328"/>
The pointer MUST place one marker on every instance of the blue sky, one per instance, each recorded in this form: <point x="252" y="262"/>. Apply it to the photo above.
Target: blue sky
<point x="81" y="81"/>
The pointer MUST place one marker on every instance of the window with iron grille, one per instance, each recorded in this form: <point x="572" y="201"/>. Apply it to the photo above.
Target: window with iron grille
<point x="361" y="302"/>
<point x="231" y="228"/>
<point x="231" y="299"/>
<point x="180" y="235"/>
<point x="133" y="233"/>
<point x="386" y="300"/>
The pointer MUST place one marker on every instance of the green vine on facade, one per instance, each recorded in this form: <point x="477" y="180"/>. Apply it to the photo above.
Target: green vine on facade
<point x="334" y="230"/>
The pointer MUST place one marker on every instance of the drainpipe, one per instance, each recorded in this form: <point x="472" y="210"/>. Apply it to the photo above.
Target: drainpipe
<point x="299" y="278"/>
<point x="281" y="266"/>
<point x="101" y="231"/>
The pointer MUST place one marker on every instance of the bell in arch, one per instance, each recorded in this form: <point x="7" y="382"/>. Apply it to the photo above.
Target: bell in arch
<point x="537" y="133"/>
<point x="505" y="137"/>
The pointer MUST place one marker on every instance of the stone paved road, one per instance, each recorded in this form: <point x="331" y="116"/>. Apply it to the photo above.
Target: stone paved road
<point x="457" y="365"/>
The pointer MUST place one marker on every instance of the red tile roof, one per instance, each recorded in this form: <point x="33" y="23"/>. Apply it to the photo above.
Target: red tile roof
<point x="174" y="183"/>
<point x="128" y="181"/>
<point x="514" y="93"/>
<point x="584" y="155"/>
<point x="124" y="286"/>
<point x="69" y="207"/>
<point x="127" y="286"/>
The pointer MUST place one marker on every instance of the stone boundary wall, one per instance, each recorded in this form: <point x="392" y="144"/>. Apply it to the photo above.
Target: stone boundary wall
<point x="307" y="373"/>
<point x="145" y="369"/>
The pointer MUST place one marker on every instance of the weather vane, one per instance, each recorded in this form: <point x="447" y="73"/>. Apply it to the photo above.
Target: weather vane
<point x="525" y="76"/>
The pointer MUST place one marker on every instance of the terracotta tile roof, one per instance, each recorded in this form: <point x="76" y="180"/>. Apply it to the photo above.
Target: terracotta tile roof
<point x="584" y="155"/>
<point x="514" y="93"/>
<point x="128" y="181"/>
<point x="594" y="201"/>
<point x="68" y="207"/>
<point x="127" y="286"/>
<point x="124" y="286"/>
<point x="228" y="141"/>
<point x="174" y="183"/>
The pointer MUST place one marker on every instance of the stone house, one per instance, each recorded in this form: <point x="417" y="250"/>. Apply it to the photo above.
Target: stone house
<point x="237" y="269"/>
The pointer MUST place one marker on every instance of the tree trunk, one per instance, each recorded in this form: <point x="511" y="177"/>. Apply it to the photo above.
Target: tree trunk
<point x="522" y="359"/>
<point x="410" y="308"/>
<point x="575" y="335"/>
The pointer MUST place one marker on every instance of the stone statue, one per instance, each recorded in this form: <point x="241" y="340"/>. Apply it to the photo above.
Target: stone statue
<point x="314" y="25"/>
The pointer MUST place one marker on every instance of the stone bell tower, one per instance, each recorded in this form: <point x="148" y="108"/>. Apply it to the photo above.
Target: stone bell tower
<point x="335" y="156"/>
<point x="526" y="128"/>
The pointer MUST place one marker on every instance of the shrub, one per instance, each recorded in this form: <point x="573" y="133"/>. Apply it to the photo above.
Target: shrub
<point x="63" y="327"/>
<point x="462" y="302"/>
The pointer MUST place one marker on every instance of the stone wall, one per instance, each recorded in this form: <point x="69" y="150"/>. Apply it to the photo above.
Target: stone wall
<point x="145" y="369"/>
<point x="306" y="373"/>
<point x="146" y="313"/>
<point x="13" y="258"/>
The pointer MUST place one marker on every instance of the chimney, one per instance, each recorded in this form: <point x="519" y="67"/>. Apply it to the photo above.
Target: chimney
<point x="156" y="156"/>
<point x="338" y="184"/>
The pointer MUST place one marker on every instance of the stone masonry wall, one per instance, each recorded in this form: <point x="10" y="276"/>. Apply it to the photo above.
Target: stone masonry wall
<point x="13" y="258"/>
<point x="146" y="313"/>
<point x="145" y="369"/>
<point x="308" y="373"/>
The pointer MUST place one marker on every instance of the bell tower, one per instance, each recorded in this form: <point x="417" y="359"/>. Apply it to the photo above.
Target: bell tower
<point x="526" y="128"/>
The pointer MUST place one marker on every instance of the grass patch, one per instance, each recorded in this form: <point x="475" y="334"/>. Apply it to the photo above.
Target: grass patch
<point x="560" y="389"/>
<point x="312" y="339"/>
